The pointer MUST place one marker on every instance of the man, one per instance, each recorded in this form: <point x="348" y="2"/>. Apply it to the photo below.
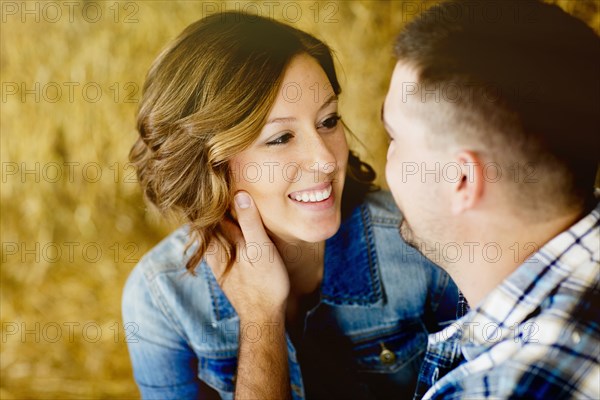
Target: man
<point x="493" y="118"/>
<point x="492" y="114"/>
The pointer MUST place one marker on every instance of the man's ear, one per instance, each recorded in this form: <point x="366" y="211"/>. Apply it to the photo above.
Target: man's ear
<point x="468" y="190"/>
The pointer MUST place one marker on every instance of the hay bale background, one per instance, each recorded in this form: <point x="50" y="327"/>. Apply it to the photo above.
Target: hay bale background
<point x="73" y="221"/>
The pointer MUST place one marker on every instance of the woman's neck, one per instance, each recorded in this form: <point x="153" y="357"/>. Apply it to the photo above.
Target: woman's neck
<point x="304" y="262"/>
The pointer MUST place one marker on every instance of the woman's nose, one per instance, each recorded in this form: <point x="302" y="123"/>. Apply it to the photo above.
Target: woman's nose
<point x="319" y="156"/>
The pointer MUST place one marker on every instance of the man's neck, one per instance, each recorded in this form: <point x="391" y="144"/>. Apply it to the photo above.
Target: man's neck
<point x="502" y="249"/>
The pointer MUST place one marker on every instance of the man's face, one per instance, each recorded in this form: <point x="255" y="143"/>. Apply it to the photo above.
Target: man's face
<point x="414" y="170"/>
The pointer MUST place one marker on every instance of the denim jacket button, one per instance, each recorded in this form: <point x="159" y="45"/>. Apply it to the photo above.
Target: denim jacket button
<point x="386" y="356"/>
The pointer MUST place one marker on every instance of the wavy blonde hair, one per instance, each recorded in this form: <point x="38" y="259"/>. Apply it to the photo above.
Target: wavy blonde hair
<point x="205" y="99"/>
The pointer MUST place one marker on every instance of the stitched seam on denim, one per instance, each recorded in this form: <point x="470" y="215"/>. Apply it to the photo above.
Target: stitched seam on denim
<point x="218" y="354"/>
<point x="440" y="288"/>
<point x="213" y="298"/>
<point x="300" y="379"/>
<point x="213" y="295"/>
<point x="384" y="221"/>
<point x="174" y="241"/>
<point x="391" y="328"/>
<point x="372" y="252"/>
<point x="152" y="274"/>
<point x="372" y="260"/>
<point x="164" y="308"/>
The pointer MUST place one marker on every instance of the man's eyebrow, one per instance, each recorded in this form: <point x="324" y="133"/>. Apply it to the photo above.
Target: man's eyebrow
<point x="283" y="120"/>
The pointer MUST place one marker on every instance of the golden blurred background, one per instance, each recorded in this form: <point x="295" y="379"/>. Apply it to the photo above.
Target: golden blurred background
<point x="73" y="223"/>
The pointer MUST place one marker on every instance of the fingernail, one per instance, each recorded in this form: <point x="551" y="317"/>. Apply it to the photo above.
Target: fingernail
<point x="242" y="200"/>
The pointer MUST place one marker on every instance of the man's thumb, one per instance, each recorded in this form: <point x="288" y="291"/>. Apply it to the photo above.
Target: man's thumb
<point x="249" y="219"/>
<point x="243" y="200"/>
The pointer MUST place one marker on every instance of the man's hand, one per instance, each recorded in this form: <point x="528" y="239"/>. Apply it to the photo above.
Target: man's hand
<point x="257" y="286"/>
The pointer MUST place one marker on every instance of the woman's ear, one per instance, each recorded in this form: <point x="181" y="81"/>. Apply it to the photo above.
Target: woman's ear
<point x="468" y="190"/>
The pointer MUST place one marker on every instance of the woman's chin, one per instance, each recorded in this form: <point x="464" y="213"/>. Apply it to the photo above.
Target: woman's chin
<point x="319" y="232"/>
<point x="307" y="233"/>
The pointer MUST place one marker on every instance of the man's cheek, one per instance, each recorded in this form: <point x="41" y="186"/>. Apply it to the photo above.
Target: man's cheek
<point x="390" y="151"/>
<point x="392" y="172"/>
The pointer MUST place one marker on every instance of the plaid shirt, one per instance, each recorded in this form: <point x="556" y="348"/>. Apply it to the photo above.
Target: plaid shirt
<point x="536" y="335"/>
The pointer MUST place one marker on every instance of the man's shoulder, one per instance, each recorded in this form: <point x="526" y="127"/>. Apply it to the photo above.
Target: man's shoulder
<point x="559" y="358"/>
<point x="551" y="355"/>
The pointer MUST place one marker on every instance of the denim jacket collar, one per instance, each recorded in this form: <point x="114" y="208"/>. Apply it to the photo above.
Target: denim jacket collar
<point x="220" y="304"/>
<point x="350" y="275"/>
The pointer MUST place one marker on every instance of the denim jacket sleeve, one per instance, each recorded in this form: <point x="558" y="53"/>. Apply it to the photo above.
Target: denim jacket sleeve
<point x="165" y="367"/>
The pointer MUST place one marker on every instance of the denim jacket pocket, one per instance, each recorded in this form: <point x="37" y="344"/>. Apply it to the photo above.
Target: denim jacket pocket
<point x="388" y="359"/>
<point x="387" y="350"/>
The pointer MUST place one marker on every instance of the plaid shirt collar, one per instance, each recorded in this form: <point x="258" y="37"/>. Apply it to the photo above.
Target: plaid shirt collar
<point x="503" y="313"/>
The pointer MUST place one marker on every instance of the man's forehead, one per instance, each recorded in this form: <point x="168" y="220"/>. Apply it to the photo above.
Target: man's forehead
<point x="405" y="112"/>
<point x="400" y="97"/>
<point x="404" y="73"/>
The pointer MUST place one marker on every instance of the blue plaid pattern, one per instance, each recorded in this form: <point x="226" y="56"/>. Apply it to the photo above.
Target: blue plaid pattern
<point x="535" y="336"/>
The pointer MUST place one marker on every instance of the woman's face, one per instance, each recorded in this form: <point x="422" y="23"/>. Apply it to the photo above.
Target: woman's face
<point x="295" y="170"/>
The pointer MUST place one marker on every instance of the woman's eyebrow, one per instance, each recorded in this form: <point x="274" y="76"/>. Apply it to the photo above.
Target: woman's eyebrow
<point x="332" y="98"/>
<point x="284" y="120"/>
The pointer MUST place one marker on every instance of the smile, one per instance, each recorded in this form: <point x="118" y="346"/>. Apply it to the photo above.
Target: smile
<point x="313" y="195"/>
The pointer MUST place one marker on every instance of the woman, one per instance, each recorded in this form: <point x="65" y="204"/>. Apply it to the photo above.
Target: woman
<point x="239" y="102"/>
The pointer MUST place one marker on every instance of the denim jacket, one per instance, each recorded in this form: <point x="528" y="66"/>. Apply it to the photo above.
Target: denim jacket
<point x="365" y="339"/>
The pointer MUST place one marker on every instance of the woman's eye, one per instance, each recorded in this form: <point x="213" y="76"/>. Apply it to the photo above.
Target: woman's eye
<point x="330" y="122"/>
<point x="281" y="139"/>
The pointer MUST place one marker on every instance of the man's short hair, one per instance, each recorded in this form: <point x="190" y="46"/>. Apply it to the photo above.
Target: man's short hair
<point x="525" y="76"/>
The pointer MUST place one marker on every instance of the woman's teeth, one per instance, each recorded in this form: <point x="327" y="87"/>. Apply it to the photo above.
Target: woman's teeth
<point x="314" y="195"/>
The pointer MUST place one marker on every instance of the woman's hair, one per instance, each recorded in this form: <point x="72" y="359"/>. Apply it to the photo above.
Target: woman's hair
<point x="206" y="98"/>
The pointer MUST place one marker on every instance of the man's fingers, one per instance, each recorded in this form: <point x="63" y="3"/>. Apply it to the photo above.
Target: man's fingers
<point x="232" y="231"/>
<point x="249" y="219"/>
